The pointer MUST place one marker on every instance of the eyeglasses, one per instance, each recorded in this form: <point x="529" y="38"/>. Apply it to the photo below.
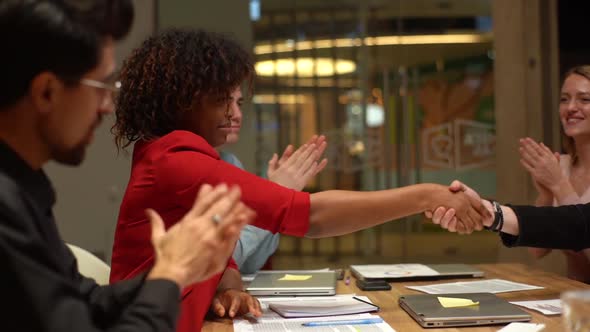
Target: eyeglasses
<point x="112" y="87"/>
<point x="106" y="98"/>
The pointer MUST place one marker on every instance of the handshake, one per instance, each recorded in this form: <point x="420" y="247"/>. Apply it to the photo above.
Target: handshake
<point x="464" y="211"/>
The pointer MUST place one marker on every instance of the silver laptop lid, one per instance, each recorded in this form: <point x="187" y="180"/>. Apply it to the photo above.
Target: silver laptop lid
<point x="456" y="270"/>
<point x="396" y="272"/>
<point x="428" y="312"/>
<point x="301" y="283"/>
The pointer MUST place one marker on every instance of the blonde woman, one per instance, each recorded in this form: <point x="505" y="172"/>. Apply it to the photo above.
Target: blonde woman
<point x="565" y="179"/>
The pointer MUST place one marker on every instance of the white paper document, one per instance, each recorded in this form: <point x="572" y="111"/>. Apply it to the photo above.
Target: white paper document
<point x="384" y="271"/>
<point x="481" y="286"/>
<point x="522" y="327"/>
<point x="295" y="324"/>
<point x="271" y="321"/>
<point x="546" y="307"/>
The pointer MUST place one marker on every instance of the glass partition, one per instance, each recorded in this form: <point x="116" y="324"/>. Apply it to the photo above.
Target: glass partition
<point x="404" y="92"/>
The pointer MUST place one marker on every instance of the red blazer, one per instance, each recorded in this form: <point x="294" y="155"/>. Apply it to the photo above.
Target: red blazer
<point x="166" y="175"/>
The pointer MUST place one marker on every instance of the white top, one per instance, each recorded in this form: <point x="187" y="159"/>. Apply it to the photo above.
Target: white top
<point x="565" y="162"/>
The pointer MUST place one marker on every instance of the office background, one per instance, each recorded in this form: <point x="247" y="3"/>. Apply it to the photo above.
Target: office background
<point x="407" y="91"/>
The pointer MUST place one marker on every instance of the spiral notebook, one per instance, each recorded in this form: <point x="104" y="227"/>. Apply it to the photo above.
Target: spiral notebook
<point x="329" y="306"/>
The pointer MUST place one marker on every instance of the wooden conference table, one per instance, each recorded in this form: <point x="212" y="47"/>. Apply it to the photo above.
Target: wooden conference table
<point x="402" y="322"/>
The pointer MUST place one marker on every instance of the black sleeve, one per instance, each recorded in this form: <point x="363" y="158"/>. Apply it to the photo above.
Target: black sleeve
<point x="39" y="294"/>
<point x="107" y="302"/>
<point x="561" y="227"/>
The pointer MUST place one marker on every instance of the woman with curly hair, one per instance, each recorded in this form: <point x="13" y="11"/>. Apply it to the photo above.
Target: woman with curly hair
<point x="174" y="106"/>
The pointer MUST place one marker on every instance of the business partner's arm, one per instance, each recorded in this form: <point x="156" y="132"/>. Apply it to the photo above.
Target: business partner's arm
<point x="353" y="210"/>
<point x="561" y="227"/>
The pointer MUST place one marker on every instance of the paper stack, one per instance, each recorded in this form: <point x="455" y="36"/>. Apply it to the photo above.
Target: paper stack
<point x="327" y="307"/>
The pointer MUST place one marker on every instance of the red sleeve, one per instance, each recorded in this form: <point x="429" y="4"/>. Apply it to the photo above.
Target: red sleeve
<point x="181" y="170"/>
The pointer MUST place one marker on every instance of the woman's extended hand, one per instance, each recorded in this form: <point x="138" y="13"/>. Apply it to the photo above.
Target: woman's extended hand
<point x="448" y="218"/>
<point x="458" y="208"/>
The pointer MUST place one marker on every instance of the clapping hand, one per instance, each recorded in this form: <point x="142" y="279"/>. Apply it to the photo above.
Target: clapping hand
<point x="199" y="245"/>
<point x="295" y="168"/>
<point x="542" y="164"/>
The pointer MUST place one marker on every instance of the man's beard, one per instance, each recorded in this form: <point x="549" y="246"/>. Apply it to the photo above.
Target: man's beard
<point x="71" y="157"/>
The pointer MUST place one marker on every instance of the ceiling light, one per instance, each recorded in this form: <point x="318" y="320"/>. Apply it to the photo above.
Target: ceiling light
<point x="305" y="67"/>
<point x="463" y="38"/>
<point x="279" y="99"/>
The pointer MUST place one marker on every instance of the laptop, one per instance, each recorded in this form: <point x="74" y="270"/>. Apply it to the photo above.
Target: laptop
<point x="399" y="272"/>
<point x="293" y="283"/>
<point x="427" y="311"/>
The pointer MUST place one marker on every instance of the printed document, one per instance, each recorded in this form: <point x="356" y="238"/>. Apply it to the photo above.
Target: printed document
<point x="295" y="324"/>
<point x="546" y="307"/>
<point x="271" y="321"/>
<point x="522" y="327"/>
<point x="481" y="286"/>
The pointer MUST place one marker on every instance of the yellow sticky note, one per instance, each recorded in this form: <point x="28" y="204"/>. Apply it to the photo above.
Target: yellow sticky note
<point x="453" y="302"/>
<point x="295" y="277"/>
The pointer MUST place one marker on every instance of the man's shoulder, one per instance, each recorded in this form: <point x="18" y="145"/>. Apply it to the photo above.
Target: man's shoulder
<point x="15" y="212"/>
<point x="10" y="191"/>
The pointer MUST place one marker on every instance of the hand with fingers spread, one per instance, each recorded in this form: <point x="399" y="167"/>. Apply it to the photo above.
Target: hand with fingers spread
<point x="295" y="168"/>
<point x="448" y="218"/>
<point x="233" y="302"/>
<point x="542" y="164"/>
<point x="199" y="245"/>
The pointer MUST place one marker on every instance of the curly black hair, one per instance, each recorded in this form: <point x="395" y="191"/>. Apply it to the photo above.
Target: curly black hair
<point x="171" y="71"/>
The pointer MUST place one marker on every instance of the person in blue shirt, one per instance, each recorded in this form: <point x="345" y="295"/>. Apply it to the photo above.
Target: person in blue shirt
<point x="294" y="169"/>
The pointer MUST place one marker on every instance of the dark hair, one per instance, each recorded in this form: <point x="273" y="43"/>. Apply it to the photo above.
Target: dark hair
<point x="60" y="36"/>
<point x="568" y="142"/>
<point x="170" y="72"/>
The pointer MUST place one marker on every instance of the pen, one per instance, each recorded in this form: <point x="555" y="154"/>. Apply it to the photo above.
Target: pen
<point x="347" y="281"/>
<point x="369" y="303"/>
<point x="346" y="322"/>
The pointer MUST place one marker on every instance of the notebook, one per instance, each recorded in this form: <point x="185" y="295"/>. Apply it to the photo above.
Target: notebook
<point x="397" y="272"/>
<point x="327" y="306"/>
<point x="427" y="310"/>
<point x="290" y="283"/>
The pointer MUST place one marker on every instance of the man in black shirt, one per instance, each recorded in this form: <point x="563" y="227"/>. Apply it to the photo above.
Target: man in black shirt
<point x="54" y="89"/>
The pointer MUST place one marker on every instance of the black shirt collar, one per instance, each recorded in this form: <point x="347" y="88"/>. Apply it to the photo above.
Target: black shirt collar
<point x="35" y="183"/>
